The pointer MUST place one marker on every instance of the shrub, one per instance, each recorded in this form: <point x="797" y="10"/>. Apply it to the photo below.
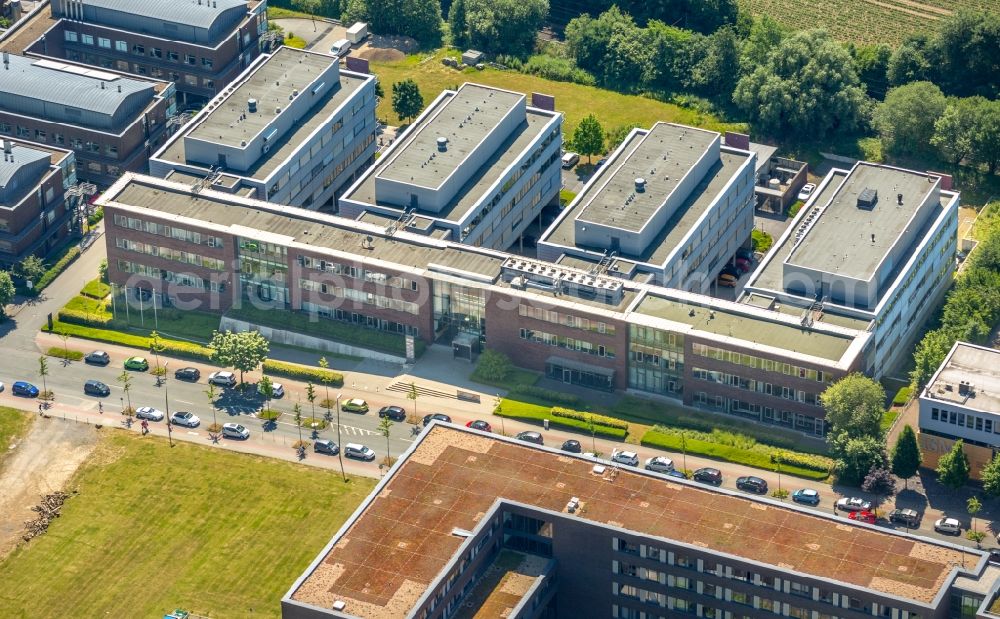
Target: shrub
<point x="94" y="218"/>
<point x="902" y="396"/>
<point x="96" y="289"/>
<point x="794" y="209"/>
<point x="303" y="372"/>
<point x="526" y="411"/>
<point x="81" y="317"/>
<point x="762" y="241"/>
<point x="557" y="69"/>
<point x="72" y="254"/>
<point x="547" y="395"/>
<point x="493" y="366"/>
<point x="61" y="353"/>
<point x="598" y="420"/>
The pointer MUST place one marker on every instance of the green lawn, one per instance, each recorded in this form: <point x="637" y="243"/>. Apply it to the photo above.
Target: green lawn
<point x="154" y="528"/>
<point x="96" y="289"/>
<point x="13" y="423"/>
<point x="574" y="100"/>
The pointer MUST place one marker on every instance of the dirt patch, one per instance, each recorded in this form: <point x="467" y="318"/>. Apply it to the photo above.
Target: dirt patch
<point x="41" y="464"/>
<point x="382" y="48"/>
<point x="379" y="54"/>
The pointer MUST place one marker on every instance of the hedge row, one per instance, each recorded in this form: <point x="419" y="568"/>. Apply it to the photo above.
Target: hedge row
<point x="525" y="411"/>
<point x="303" y="372"/>
<point x="902" y="396"/>
<point x="96" y="289"/>
<point x="587" y="418"/>
<point x="61" y="353"/>
<point x="174" y="348"/>
<point x="547" y="395"/>
<point x="85" y="319"/>
<point x="56" y="269"/>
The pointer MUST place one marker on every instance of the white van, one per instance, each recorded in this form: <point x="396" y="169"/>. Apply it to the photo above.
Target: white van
<point x="569" y="160"/>
<point x="341" y="47"/>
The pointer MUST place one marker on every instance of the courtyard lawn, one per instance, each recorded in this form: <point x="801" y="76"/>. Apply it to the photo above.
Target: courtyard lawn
<point x="153" y="528"/>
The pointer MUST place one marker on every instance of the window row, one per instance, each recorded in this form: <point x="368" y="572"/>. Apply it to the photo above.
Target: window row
<point x="41" y="135"/>
<point x="554" y="317"/>
<point x="757" y="386"/>
<point x="768" y="365"/>
<point x="182" y="279"/>
<point x="965" y="420"/>
<point x="171" y="254"/>
<point x="360" y="296"/>
<point x="363" y="320"/>
<point x="136" y="48"/>
<point x="356" y="272"/>
<point x="569" y="343"/>
<point x="151" y="227"/>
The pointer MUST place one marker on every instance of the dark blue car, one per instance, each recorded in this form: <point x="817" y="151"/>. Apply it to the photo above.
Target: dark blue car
<point x="24" y="388"/>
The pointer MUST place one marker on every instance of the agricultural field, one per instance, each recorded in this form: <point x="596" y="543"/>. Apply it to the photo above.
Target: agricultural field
<point x="153" y="528"/>
<point x="864" y="21"/>
<point x="574" y="100"/>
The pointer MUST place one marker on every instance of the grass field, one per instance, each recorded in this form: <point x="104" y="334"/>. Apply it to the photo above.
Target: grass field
<point x="155" y="528"/>
<point x="13" y="423"/>
<point x="575" y="101"/>
<point x="864" y="21"/>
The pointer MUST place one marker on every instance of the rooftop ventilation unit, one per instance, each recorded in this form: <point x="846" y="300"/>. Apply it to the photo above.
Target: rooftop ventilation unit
<point x="640" y="185"/>
<point x="442" y="143"/>
<point x="899" y="199"/>
<point x="867" y="199"/>
<point x="252" y="106"/>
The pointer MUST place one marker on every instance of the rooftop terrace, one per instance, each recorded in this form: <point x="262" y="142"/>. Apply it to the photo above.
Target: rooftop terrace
<point x="748" y="327"/>
<point x="977" y="366"/>
<point x="503" y="586"/>
<point x="389" y="555"/>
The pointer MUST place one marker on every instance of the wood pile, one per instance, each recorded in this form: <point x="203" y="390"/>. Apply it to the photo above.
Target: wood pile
<point x="47" y="510"/>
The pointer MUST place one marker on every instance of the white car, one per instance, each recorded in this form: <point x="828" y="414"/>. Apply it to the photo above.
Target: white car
<point x="235" y="430"/>
<point x="806" y="191"/>
<point x="948" y="525"/>
<point x="628" y="458"/>
<point x="277" y="390"/>
<point x="853" y="504"/>
<point x="182" y="418"/>
<point x="1" y="385"/>
<point x="359" y="452"/>
<point x="660" y="464"/>
<point x="222" y="379"/>
<point x="148" y="412"/>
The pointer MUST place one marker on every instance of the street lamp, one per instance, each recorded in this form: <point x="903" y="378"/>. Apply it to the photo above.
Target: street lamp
<point x="340" y="446"/>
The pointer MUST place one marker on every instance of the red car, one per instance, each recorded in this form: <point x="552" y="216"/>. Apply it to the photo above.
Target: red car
<point x="863" y="516"/>
<point x="743" y="264"/>
<point x="479" y="424"/>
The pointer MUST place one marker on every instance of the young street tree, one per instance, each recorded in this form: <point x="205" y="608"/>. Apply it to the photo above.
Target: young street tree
<point x="407" y="100"/>
<point x="243" y="351"/>
<point x="905" y="458"/>
<point x="879" y="482"/>
<point x="43" y="371"/>
<point x="308" y="6"/>
<point x="588" y="138"/>
<point x="384" y="425"/>
<point x="311" y="397"/>
<point x="991" y="477"/>
<point x="412" y="395"/>
<point x="7" y="292"/>
<point x="156" y="346"/>
<point x="974" y="506"/>
<point x="297" y="409"/>
<point x="266" y="388"/>
<point x="210" y="394"/>
<point x="31" y="268"/>
<point x="953" y="467"/>
<point x="126" y="382"/>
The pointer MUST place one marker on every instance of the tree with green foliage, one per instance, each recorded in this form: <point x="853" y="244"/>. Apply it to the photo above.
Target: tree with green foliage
<point x="765" y="36"/>
<point x="494" y="365"/>
<point x="955" y="130"/>
<point x="973" y="505"/>
<point x="266" y="389"/>
<point x="588" y="137"/>
<point x="125" y="379"/>
<point x="43" y="371"/>
<point x="905" y="120"/>
<point x="412" y="394"/>
<point x="913" y="61"/>
<point x="500" y="26"/>
<point x="614" y="138"/>
<point x="968" y="49"/>
<point x="156" y="346"/>
<point x="828" y="98"/>
<point x="929" y="354"/>
<point x="854" y="407"/>
<point x="211" y="394"/>
<point x="312" y="7"/>
<point x="420" y="19"/>
<point x="31" y="268"/>
<point x="406" y="99"/>
<point x="671" y="57"/>
<point x="905" y="458"/>
<point x="990" y="476"/>
<point x="880" y="482"/>
<point x="102" y="271"/>
<point x="457" y="25"/>
<point x="243" y="351"/>
<point x="856" y="457"/>
<point x="7" y="292"/>
<point x="311" y="397"/>
<point x="297" y="410"/>
<point x="713" y="61"/>
<point x="613" y="47"/>
<point x="986" y="139"/>
<point x="953" y="467"/>
<point x="384" y="426"/>
<point x="872" y="62"/>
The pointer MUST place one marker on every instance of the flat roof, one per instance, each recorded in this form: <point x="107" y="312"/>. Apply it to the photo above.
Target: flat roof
<point x="398" y="543"/>
<point x="503" y="585"/>
<point x="474" y="190"/>
<point x="680" y="223"/>
<point x="840" y="239"/>
<point x="977" y="365"/>
<point x="304" y="226"/>
<point x="465" y="119"/>
<point x="661" y="157"/>
<point x="747" y="327"/>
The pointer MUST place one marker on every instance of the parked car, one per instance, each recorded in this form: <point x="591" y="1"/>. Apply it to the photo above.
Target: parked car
<point x="148" y="412"/>
<point x="235" y="430"/>
<point x="569" y="160"/>
<point x="853" y="504"/>
<point x="806" y="496"/>
<point x="395" y="413"/>
<point x="572" y="446"/>
<point x="806" y="191"/>
<point x="628" y="458"/>
<point x="708" y="475"/>
<point x="184" y="418"/>
<point x="139" y="364"/>
<point x="745" y="252"/>
<point x="222" y="379"/>
<point x="908" y="517"/>
<point x="326" y="446"/>
<point x="436" y="416"/>
<point x="732" y="269"/>
<point x="750" y="483"/>
<point x="600" y="163"/>
<point x="530" y="437"/>
<point x="277" y="390"/>
<point x="359" y="452"/>
<point x="676" y="473"/>
<point x="189" y="374"/>
<point x="97" y="357"/>
<point x="743" y="264"/>
<point x="660" y="464"/>
<point x="727" y="281"/>
<point x="994" y="555"/>
<point x="1" y="385"/>
<point x="950" y="526"/>
<point x="863" y="516"/>
<point x="479" y="424"/>
<point x="355" y="405"/>
<point x="24" y="388"/>
<point x="96" y="387"/>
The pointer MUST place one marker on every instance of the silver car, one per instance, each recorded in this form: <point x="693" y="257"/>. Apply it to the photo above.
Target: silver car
<point x="148" y="412"/>
<point x="660" y="464"/>
<point x="235" y="430"/>
<point x="361" y="452"/>
<point x="182" y="418"/>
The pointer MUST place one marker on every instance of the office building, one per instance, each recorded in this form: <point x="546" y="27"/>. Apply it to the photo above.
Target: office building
<point x="962" y="401"/>
<point x="111" y="122"/>
<point x="293" y="129"/>
<point x="874" y="244"/>
<point x="579" y="327"/>
<point x="469" y="524"/>
<point x="35" y="215"/>
<point x="476" y="167"/>
<point x="671" y="200"/>
<point x="200" y="45"/>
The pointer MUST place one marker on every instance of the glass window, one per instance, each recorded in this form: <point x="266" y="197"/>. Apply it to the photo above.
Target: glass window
<point x="87" y="39"/>
<point x="172" y="56"/>
<point x="190" y="59"/>
<point x="104" y="42"/>
<point x="139" y="50"/>
<point x="206" y="62"/>
<point x="121" y="46"/>
<point x="156" y="52"/>
<point x="69" y="35"/>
